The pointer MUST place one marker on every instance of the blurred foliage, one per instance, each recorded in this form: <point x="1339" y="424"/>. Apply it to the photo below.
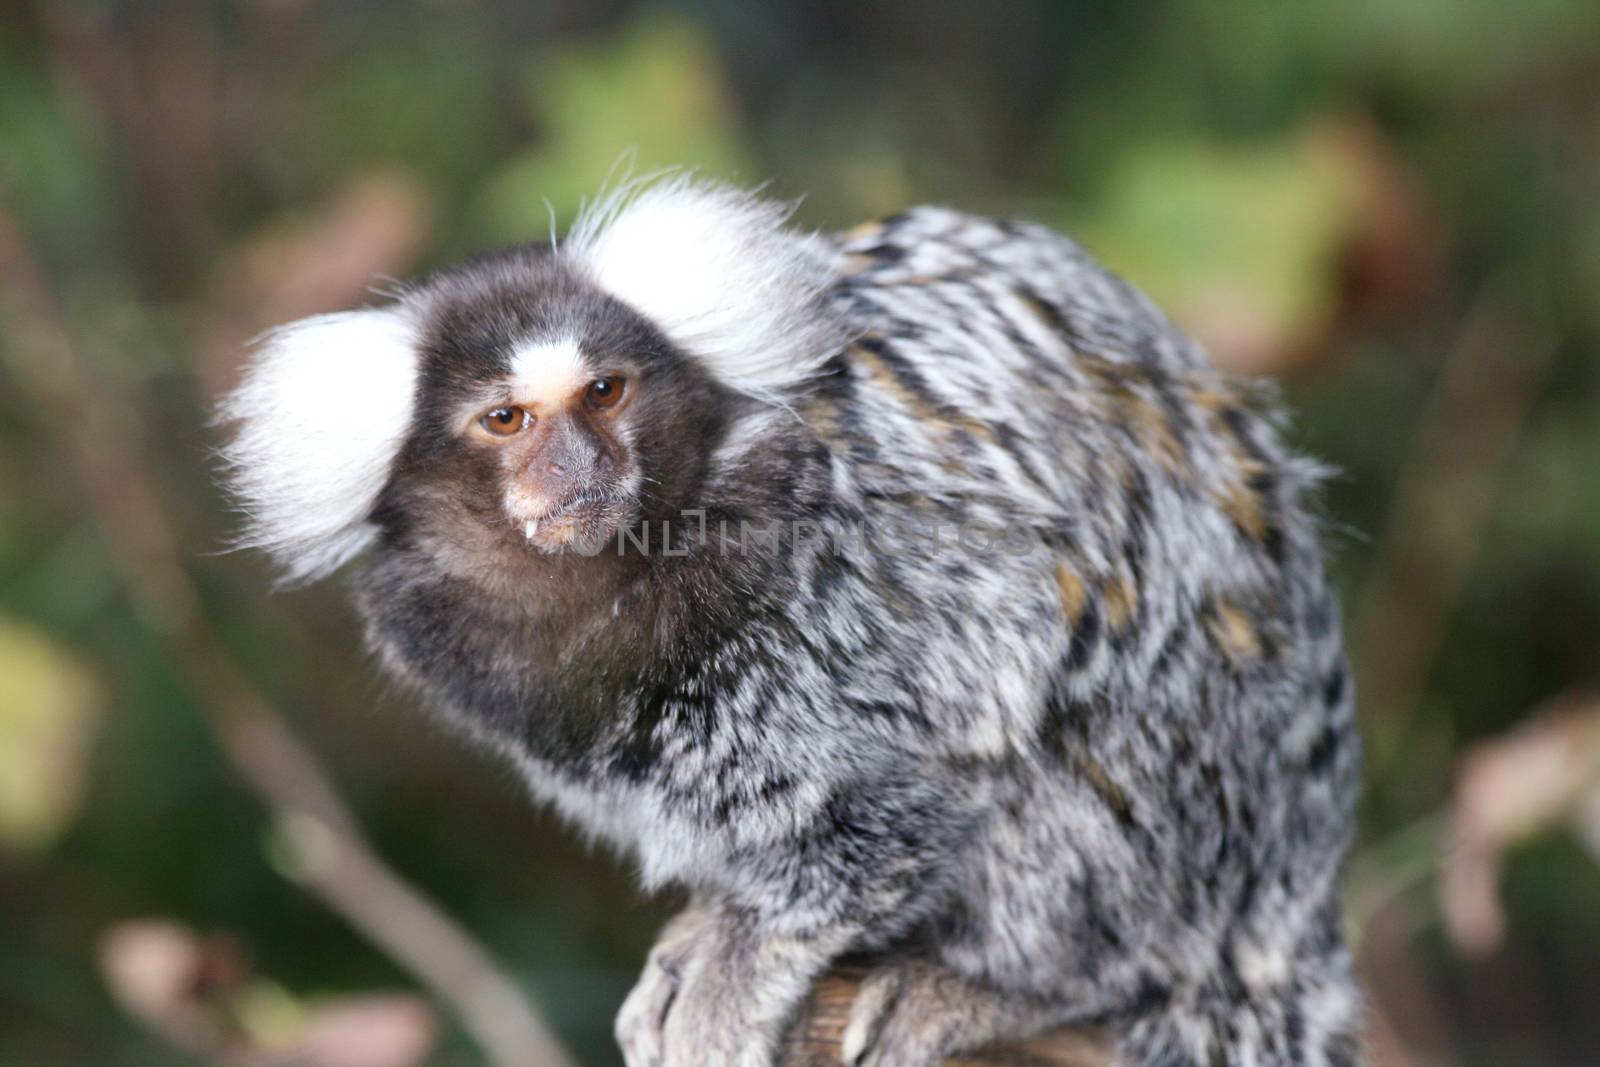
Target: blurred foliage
<point x="1201" y="224"/>
<point x="48" y="707"/>
<point x="1389" y="205"/>
<point x="586" y="101"/>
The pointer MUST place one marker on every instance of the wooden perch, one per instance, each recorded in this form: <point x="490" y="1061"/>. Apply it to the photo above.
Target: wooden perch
<point x="814" y="1039"/>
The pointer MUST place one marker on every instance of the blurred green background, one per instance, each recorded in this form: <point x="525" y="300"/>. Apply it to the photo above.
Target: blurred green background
<point x="1390" y="205"/>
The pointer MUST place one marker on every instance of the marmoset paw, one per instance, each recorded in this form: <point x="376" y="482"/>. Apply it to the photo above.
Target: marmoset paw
<point x="705" y="1028"/>
<point x="914" y="1014"/>
<point x="641" y="1024"/>
<point x="643" y="1017"/>
<point x="891" y="1022"/>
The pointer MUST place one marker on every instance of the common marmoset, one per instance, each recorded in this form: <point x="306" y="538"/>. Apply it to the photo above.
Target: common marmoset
<point x="917" y="592"/>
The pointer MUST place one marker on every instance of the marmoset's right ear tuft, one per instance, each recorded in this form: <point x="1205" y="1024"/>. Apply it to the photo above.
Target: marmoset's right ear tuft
<point x="322" y="411"/>
<point x="720" y="272"/>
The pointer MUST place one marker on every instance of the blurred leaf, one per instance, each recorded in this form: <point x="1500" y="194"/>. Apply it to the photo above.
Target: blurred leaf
<point x="1540" y="775"/>
<point x="390" y="1030"/>
<point x="656" y="90"/>
<point x="49" y="708"/>
<point x="269" y="1014"/>
<point x="196" y="993"/>
<point x="155" y="970"/>
<point x="1239" y="242"/>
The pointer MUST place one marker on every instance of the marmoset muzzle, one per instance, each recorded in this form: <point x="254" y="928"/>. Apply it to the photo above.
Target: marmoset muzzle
<point x="566" y="463"/>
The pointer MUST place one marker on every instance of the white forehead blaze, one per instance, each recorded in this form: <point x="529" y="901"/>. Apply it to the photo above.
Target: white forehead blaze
<point x="548" y="372"/>
<point x="322" y="411"/>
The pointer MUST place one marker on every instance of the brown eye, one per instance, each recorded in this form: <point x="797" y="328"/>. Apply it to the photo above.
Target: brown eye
<point x="504" y="422"/>
<point x="603" y="393"/>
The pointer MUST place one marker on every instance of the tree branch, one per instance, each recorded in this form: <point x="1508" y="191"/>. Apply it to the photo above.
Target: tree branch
<point x="814" y="1038"/>
<point x="1443" y="502"/>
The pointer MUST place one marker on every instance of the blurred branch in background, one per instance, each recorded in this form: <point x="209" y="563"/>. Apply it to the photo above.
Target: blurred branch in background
<point x="162" y="98"/>
<point x="1443" y="502"/>
<point x="321" y="837"/>
<point x="1440" y="510"/>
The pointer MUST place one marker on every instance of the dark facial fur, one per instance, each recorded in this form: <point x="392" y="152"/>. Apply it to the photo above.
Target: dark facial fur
<point x="450" y="561"/>
<point x="1109" y="779"/>
<point x="478" y="314"/>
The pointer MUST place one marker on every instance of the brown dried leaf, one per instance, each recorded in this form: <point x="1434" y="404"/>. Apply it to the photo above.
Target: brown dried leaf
<point x="168" y="977"/>
<point x="1392" y="262"/>
<point x="195" y="992"/>
<point x="392" y="1030"/>
<point x="1509" y="789"/>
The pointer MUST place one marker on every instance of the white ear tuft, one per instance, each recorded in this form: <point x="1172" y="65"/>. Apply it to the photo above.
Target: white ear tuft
<point x="719" y="273"/>
<point x="323" y="409"/>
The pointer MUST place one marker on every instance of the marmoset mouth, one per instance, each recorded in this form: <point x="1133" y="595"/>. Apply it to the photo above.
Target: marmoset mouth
<point x="582" y="518"/>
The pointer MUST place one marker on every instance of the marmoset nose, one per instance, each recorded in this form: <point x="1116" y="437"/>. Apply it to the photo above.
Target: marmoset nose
<point x="565" y="461"/>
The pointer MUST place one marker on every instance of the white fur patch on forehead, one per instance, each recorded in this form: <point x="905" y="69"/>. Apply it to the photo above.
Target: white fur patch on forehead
<point x="322" y="411"/>
<point x="720" y="273"/>
<point x="548" y="372"/>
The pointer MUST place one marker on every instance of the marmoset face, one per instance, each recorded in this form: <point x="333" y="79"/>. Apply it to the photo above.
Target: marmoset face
<point x="548" y="412"/>
<point x="527" y="403"/>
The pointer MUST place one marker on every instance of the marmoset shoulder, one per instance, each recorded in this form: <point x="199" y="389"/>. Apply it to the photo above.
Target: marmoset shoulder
<point x="917" y="591"/>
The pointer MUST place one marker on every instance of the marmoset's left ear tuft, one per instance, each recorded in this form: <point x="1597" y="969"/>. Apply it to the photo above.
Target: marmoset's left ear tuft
<point x="720" y="273"/>
<point x="322" y="411"/>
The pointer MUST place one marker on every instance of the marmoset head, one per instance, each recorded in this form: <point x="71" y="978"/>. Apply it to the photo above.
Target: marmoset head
<point x="548" y="413"/>
<point x="536" y="400"/>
